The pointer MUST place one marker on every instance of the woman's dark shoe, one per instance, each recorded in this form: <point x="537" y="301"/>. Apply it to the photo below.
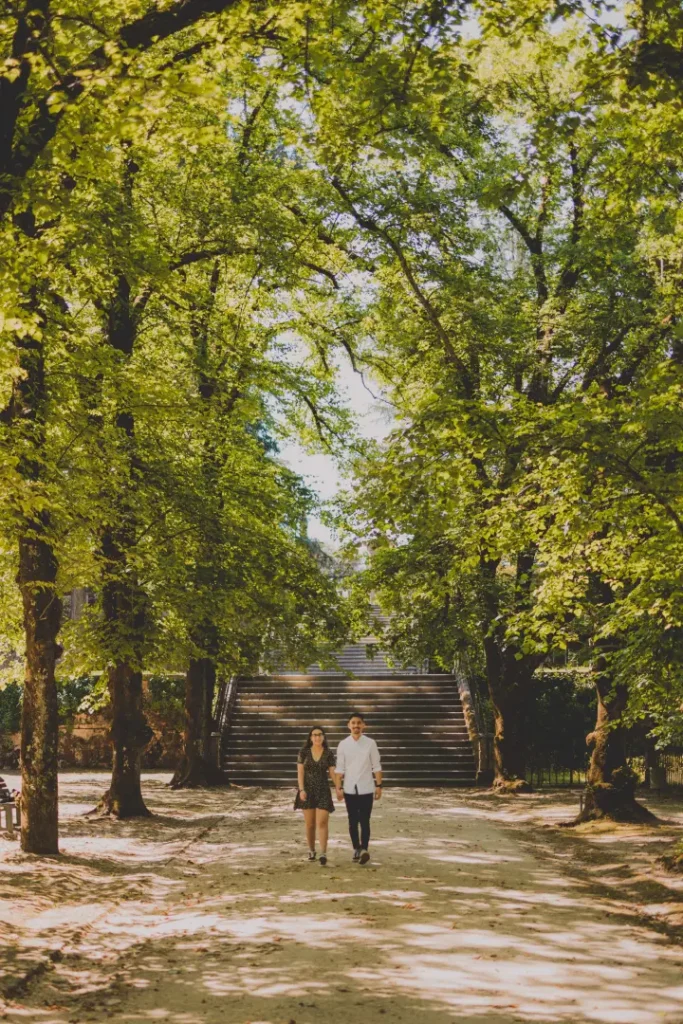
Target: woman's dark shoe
<point x="311" y="854"/>
<point x="364" y="857"/>
<point x="323" y="859"/>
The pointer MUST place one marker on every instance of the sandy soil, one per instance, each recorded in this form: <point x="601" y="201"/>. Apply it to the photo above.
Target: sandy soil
<point x="473" y="909"/>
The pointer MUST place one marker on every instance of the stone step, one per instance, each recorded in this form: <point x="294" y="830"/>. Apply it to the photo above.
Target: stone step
<point x="388" y="758"/>
<point x="374" y="724"/>
<point x="417" y="721"/>
<point x="416" y="781"/>
<point x="334" y="733"/>
<point x="340" y="705"/>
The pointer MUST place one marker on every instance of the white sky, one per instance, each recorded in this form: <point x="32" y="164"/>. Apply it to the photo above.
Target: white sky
<point x="320" y="471"/>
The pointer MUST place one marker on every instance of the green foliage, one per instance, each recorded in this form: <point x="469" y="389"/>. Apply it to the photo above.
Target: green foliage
<point x="165" y="695"/>
<point x="10" y="708"/>
<point x="199" y="213"/>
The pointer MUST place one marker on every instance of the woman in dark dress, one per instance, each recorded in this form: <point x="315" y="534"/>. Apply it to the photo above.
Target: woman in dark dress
<point x="315" y="769"/>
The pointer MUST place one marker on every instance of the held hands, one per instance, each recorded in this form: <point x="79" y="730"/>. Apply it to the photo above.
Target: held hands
<point x="340" y="795"/>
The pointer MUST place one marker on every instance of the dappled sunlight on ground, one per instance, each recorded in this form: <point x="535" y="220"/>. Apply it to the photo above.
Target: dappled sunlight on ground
<point x="472" y="909"/>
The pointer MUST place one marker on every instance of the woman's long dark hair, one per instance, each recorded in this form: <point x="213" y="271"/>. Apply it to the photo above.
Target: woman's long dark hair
<point x="309" y="742"/>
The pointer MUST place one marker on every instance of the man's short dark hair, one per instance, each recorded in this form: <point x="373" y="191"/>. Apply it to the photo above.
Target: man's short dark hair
<point x="356" y="714"/>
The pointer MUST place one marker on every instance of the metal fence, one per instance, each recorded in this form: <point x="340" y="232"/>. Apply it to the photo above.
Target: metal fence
<point x="551" y="775"/>
<point x="556" y="776"/>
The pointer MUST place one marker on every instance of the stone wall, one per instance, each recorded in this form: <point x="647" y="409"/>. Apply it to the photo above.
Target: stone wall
<point x="84" y="743"/>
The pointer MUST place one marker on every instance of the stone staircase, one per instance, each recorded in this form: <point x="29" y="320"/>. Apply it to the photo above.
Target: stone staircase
<point x="416" y="719"/>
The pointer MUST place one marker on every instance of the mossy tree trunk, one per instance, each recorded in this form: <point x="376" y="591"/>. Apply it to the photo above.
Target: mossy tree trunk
<point x="24" y="420"/>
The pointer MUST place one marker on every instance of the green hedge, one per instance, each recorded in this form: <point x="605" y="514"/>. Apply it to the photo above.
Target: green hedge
<point x="166" y="697"/>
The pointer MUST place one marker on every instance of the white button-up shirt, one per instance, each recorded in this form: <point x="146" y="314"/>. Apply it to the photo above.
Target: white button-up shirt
<point x="356" y="761"/>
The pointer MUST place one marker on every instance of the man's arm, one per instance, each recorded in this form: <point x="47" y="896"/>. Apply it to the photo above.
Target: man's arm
<point x="340" y="769"/>
<point x="376" y="770"/>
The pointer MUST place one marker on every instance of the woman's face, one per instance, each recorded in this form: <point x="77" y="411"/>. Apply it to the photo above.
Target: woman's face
<point x="317" y="737"/>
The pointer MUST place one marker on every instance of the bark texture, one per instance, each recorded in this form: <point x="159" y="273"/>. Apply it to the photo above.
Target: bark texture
<point x="509" y="676"/>
<point x="24" y="423"/>
<point x="611" y="783"/>
<point x="129" y="735"/>
<point x="39" y="722"/>
<point x="196" y="767"/>
<point x="124" y="601"/>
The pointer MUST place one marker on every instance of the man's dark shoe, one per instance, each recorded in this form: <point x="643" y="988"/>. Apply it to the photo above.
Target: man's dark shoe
<point x="356" y="856"/>
<point x="364" y="857"/>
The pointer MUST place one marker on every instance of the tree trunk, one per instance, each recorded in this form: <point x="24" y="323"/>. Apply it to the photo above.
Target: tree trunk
<point x="509" y="694"/>
<point x="123" y="606"/>
<point x="129" y="735"/>
<point x="39" y="722"/>
<point x="123" y="600"/>
<point x="611" y="783"/>
<point x="196" y="767"/>
<point x="24" y="419"/>
<point x="509" y="681"/>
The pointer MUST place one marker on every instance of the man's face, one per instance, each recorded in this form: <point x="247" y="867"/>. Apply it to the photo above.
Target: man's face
<point x="356" y="727"/>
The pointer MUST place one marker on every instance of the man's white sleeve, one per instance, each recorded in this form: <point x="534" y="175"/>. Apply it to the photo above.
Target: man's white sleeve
<point x="341" y="761"/>
<point x="374" y="758"/>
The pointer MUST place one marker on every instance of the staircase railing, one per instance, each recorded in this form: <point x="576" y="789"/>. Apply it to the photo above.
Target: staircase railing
<point x="480" y="738"/>
<point x="225" y="707"/>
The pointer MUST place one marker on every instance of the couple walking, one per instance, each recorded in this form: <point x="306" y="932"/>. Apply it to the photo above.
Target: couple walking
<point x="357" y="778"/>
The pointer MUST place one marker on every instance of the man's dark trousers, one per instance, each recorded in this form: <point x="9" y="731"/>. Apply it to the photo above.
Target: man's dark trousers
<point x="359" y="807"/>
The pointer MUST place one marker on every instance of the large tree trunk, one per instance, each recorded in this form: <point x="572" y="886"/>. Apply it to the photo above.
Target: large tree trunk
<point x="196" y="767"/>
<point x="129" y="735"/>
<point x="509" y="676"/>
<point x="123" y="606"/>
<point x="24" y="419"/>
<point x="39" y="722"/>
<point x="611" y="783"/>
<point x="123" y="600"/>
<point x="509" y="691"/>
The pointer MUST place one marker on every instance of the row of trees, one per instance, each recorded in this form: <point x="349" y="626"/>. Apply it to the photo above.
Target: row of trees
<point x="155" y="271"/>
<point x="200" y="205"/>
<point x="522" y="213"/>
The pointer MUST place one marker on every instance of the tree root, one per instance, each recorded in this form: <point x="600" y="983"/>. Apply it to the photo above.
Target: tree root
<point x="510" y="787"/>
<point x="615" y="801"/>
<point x="196" y="773"/>
<point x="113" y="807"/>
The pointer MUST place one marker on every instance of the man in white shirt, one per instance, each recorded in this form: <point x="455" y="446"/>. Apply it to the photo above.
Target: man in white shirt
<point x="357" y="762"/>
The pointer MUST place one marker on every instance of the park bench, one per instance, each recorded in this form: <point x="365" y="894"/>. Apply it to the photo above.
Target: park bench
<point x="9" y="810"/>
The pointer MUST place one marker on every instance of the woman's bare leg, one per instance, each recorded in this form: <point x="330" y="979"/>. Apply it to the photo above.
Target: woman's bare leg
<point x="309" y="819"/>
<point x="322" y="820"/>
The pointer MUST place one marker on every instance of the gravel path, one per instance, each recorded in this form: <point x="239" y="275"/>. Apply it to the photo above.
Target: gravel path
<point x="470" y="910"/>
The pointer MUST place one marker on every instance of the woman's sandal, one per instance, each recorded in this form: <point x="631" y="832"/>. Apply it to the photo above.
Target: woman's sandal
<point x="323" y="860"/>
<point x="311" y="854"/>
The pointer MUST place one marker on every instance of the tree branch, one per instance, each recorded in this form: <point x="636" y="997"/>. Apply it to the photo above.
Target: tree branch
<point x="371" y="225"/>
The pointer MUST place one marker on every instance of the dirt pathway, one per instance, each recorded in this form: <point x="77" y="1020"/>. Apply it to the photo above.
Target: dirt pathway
<point x="469" y="911"/>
